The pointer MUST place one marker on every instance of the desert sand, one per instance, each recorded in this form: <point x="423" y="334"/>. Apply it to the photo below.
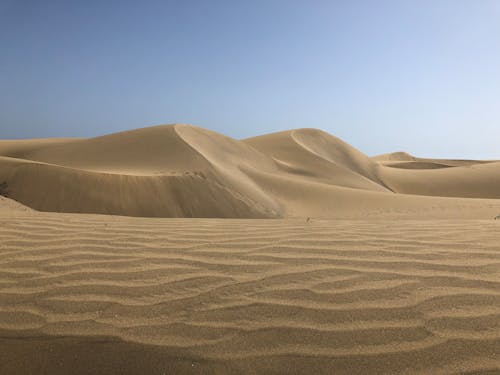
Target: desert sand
<point x="176" y="250"/>
<point x="187" y="171"/>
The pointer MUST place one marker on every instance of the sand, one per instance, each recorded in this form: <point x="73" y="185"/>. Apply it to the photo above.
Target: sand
<point x="177" y="250"/>
<point x="186" y="171"/>
<point x="95" y="294"/>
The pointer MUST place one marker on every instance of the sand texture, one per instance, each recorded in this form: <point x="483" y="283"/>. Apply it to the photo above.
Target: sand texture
<point x="95" y="294"/>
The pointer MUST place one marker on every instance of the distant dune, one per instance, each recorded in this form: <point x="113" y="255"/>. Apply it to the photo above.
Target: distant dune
<point x="186" y="171"/>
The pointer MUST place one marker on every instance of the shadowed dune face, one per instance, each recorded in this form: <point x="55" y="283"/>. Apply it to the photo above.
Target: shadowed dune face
<point x="95" y="294"/>
<point x="311" y="154"/>
<point x="186" y="171"/>
<point x="417" y="165"/>
<point x="336" y="151"/>
<point x="48" y="187"/>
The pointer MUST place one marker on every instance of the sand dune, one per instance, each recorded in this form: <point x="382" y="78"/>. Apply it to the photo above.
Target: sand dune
<point x="186" y="171"/>
<point x="476" y="181"/>
<point x="9" y="207"/>
<point x="404" y="173"/>
<point x="146" y="172"/>
<point x="89" y="294"/>
<point x="316" y="155"/>
<point x="395" y="157"/>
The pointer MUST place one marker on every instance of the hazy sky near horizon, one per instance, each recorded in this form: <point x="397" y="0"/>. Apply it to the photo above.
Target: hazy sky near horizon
<point x="421" y="76"/>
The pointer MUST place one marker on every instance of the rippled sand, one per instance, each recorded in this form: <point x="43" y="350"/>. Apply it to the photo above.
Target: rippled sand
<point x="90" y="294"/>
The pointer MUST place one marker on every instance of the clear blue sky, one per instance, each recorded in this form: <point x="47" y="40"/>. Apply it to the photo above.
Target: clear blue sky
<point x="421" y="75"/>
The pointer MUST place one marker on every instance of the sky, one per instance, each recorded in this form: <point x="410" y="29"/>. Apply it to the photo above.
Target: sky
<point x="416" y="75"/>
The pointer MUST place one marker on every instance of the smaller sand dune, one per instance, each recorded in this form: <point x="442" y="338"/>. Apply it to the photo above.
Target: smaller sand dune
<point x="401" y="156"/>
<point x="481" y="180"/>
<point x="394" y="156"/>
<point x="11" y="207"/>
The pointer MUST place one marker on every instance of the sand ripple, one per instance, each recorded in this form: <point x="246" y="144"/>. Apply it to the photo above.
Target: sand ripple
<point x="248" y="296"/>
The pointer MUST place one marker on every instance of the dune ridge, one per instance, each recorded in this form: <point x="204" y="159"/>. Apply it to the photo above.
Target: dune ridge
<point x="186" y="171"/>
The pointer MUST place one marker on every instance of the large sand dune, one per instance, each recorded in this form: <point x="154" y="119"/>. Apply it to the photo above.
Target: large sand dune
<point x="186" y="171"/>
<point x="96" y="294"/>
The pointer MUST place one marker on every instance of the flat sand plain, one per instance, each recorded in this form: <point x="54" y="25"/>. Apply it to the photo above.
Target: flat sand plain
<point x="97" y="294"/>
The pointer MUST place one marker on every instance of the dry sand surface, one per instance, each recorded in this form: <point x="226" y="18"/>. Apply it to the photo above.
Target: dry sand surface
<point x="177" y="250"/>
<point x="95" y="294"/>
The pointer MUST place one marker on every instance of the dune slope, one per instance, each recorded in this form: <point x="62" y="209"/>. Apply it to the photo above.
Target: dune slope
<point x="146" y="172"/>
<point x="186" y="171"/>
<point x="316" y="155"/>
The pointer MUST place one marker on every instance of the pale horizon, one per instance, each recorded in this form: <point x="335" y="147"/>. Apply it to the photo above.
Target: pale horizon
<point x="420" y="77"/>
